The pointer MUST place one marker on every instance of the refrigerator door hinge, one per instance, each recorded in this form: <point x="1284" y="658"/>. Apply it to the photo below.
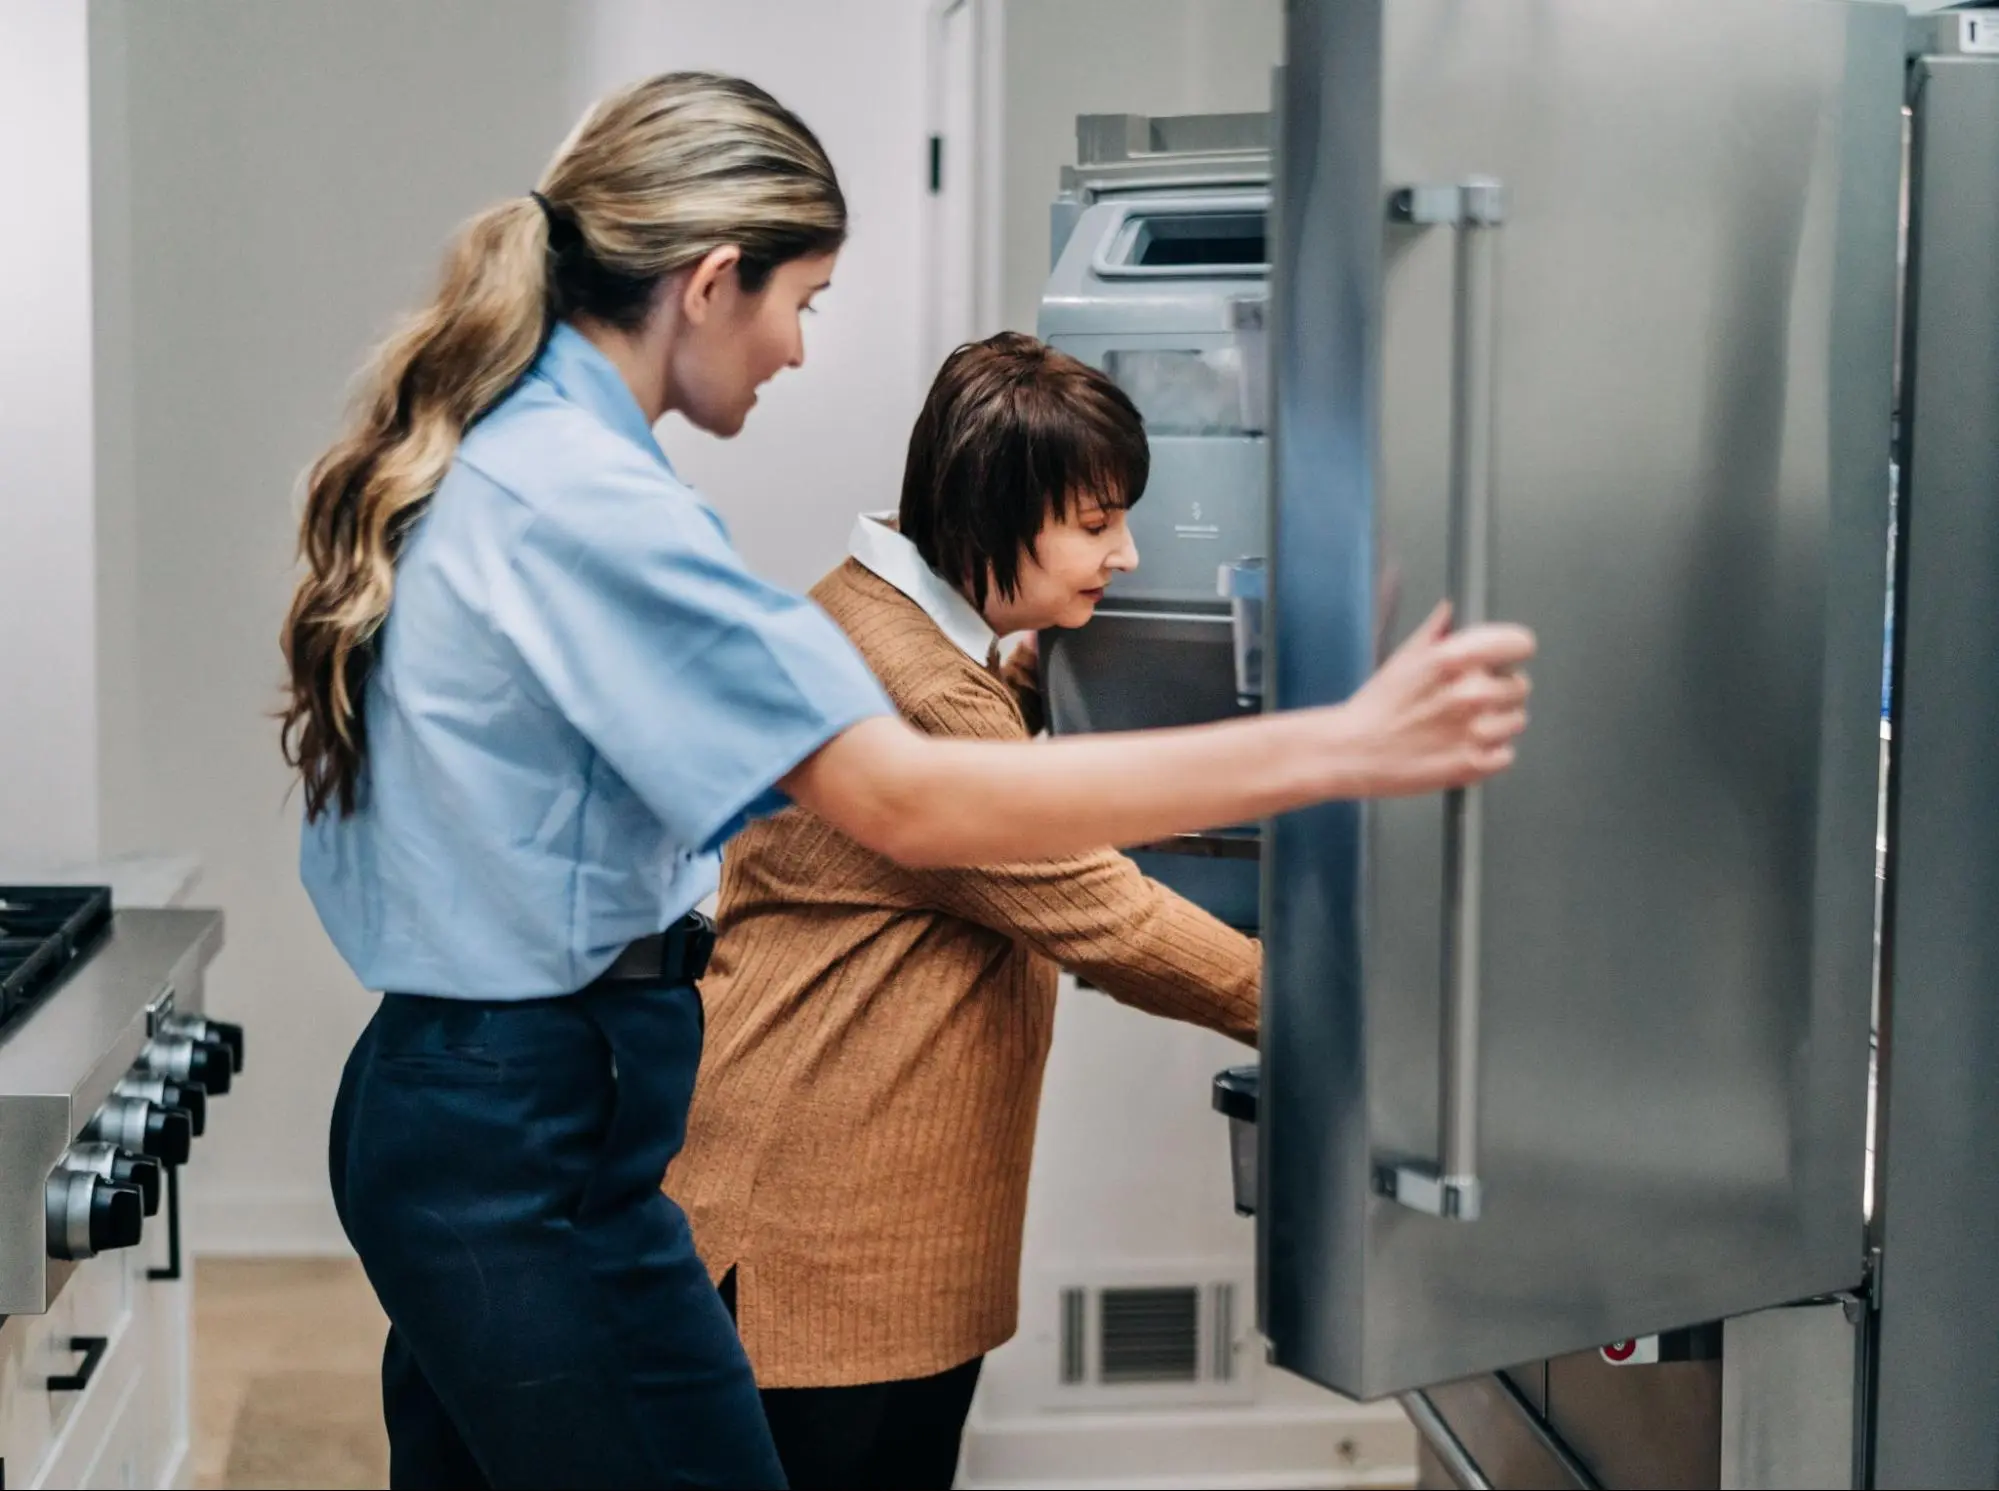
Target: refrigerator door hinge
<point x="1870" y="1286"/>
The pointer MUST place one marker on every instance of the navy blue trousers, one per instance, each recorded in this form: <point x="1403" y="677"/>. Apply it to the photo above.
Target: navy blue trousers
<point x="497" y="1167"/>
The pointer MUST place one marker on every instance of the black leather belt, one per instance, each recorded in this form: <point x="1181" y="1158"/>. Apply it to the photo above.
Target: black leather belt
<point x="679" y="955"/>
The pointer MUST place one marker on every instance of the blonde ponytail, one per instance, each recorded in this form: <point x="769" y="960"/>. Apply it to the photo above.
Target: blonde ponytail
<point x="654" y="178"/>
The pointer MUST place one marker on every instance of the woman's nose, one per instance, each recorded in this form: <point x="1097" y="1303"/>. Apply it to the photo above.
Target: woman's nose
<point x="1124" y="558"/>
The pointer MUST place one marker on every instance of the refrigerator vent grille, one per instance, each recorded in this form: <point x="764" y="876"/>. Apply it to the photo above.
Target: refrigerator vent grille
<point x="1148" y="1335"/>
<point x="1156" y="1340"/>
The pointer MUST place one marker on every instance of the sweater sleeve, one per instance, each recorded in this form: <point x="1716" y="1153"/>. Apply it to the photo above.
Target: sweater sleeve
<point x="1096" y="914"/>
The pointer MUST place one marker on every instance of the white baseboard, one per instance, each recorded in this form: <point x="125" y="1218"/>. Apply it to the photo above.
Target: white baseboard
<point x="253" y="1224"/>
<point x="1342" y="1445"/>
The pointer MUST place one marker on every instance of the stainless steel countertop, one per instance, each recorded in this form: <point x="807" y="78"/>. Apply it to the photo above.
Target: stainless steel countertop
<point x="88" y="1021"/>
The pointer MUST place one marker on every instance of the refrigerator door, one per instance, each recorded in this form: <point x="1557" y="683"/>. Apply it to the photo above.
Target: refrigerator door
<point x="1584" y="311"/>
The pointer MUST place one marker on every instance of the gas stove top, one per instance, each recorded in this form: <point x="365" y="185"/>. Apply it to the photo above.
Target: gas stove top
<point x="44" y="931"/>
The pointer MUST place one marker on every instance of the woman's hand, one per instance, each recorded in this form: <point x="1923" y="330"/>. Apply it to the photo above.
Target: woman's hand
<point x="1443" y="711"/>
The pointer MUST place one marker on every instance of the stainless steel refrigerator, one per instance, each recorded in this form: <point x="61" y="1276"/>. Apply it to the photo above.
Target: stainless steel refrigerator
<point x="1584" y="313"/>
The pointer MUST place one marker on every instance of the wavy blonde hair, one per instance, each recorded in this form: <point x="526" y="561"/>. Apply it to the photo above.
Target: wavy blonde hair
<point x="655" y="178"/>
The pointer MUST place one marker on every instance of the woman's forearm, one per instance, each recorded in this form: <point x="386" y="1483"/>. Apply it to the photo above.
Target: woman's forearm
<point x="925" y="801"/>
<point x="1442" y="712"/>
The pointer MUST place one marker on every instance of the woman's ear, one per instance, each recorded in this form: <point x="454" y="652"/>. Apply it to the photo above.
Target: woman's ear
<point x="709" y="282"/>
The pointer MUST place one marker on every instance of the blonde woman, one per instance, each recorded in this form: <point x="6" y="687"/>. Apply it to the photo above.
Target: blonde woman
<point x="534" y="690"/>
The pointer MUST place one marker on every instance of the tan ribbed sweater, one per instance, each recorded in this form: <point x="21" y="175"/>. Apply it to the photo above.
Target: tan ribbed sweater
<point x="859" y="1140"/>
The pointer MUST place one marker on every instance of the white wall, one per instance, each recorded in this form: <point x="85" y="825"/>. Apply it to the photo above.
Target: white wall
<point x="48" y="709"/>
<point x="290" y="174"/>
<point x="827" y="441"/>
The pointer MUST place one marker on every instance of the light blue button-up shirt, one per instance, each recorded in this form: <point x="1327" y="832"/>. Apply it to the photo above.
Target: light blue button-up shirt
<point x="579" y="695"/>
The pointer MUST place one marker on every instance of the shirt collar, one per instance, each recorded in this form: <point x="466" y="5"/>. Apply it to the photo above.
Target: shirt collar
<point x="586" y="377"/>
<point x="878" y="548"/>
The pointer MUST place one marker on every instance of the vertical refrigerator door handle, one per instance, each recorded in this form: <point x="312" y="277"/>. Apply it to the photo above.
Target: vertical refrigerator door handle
<point x="1474" y="209"/>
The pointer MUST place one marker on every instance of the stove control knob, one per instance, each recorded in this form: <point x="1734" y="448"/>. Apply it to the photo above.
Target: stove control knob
<point x="109" y="1162"/>
<point x="181" y="1058"/>
<point x="191" y="1096"/>
<point x="88" y="1215"/>
<point x="200" y="1028"/>
<point x="166" y="1134"/>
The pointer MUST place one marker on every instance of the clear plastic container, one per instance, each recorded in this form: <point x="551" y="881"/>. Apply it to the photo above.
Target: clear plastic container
<point x="1181" y="391"/>
<point x="1243" y="584"/>
<point x="1214" y="391"/>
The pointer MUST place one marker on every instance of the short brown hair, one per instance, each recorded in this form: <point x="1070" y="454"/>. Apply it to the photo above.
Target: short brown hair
<point x="1012" y="433"/>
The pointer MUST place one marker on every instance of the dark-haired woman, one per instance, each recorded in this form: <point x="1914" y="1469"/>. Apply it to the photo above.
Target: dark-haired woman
<point x="534" y="690"/>
<point x="856" y="1164"/>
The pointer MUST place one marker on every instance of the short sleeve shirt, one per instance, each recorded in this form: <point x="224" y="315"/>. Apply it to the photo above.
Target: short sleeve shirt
<point x="580" y="693"/>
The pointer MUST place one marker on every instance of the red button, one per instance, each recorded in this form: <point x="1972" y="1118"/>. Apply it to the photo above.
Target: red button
<point x="1620" y="1351"/>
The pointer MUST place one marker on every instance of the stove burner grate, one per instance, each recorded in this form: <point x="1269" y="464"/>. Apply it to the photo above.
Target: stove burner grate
<point x="45" y="930"/>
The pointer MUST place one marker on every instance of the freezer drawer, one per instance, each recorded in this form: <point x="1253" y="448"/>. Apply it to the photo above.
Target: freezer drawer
<point x="1761" y="1403"/>
<point x="1587" y="309"/>
<point x="1658" y="1427"/>
<point x="1481" y="1432"/>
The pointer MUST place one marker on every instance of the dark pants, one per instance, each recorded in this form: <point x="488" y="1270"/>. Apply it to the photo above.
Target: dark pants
<point x="497" y="1167"/>
<point x="899" y="1436"/>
